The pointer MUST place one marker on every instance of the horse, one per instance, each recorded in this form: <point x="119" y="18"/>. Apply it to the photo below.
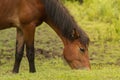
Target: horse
<point x="26" y="15"/>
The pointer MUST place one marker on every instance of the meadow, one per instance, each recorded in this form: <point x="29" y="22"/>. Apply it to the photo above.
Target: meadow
<point x="100" y="20"/>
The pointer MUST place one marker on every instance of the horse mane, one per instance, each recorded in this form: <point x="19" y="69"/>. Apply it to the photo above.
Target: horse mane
<point x="64" y="21"/>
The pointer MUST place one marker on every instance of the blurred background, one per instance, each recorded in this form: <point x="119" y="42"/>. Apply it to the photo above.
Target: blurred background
<point x="100" y="19"/>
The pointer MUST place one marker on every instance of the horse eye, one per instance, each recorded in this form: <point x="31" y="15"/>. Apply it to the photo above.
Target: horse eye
<point x="82" y="49"/>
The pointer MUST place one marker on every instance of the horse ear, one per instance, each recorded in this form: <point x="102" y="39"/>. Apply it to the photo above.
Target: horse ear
<point x="75" y="34"/>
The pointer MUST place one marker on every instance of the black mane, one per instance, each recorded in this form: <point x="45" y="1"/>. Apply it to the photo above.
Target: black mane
<point x="64" y="21"/>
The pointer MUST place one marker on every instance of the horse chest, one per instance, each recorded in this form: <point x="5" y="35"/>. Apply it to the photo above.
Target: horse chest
<point x="29" y="12"/>
<point x="9" y="22"/>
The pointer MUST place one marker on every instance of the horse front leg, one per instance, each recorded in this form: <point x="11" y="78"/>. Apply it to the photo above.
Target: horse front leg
<point x="19" y="50"/>
<point x="29" y="31"/>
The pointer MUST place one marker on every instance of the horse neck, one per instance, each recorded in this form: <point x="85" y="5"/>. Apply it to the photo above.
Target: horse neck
<point x="59" y="33"/>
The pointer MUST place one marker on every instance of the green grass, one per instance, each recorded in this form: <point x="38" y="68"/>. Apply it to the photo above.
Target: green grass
<point x="56" y="69"/>
<point x="100" y="20"/>
<point x="98" y="15"/>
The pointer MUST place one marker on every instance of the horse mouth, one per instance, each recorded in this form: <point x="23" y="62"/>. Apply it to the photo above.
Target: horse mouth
<point x="81" y="68"/>
<point x="78" y="66"/>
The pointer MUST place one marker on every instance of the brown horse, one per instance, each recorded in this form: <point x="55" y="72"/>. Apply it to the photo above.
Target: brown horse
<point x="25" y="15"/>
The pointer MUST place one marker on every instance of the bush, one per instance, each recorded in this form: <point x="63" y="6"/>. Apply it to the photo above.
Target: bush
<point x="105" y="13"/>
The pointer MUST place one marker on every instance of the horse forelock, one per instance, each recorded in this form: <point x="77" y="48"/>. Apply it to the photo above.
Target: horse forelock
<point x="63" y="20"/>
<point x="84" y="39"/>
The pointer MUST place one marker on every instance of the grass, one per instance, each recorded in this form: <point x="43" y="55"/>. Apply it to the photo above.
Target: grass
<point x="56" y="69"/>
<point x="100" y="20"/>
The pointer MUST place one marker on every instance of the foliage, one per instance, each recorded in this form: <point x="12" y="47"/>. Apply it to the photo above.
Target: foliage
<point x="99" y="11"/>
